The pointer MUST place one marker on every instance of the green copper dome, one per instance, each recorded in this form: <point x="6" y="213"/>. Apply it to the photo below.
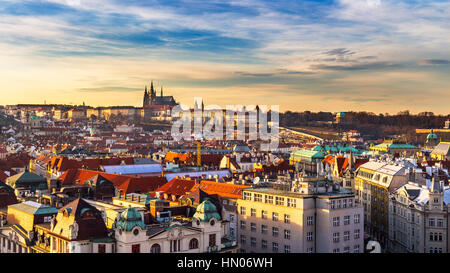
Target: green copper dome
<point x="206" y="211"/>
<point x="129" y="219"/>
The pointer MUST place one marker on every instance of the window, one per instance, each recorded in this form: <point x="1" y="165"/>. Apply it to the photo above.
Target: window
<point x="156" y="248"/>
<point x="309" y="250"/>
<point x="242" y="210"/>
<point x="275" y="232"/>
<point x="346" y="235"/>
<point x="193" y="243"/>
<point x="231" y="232"/>
<point x="431" y="222"/>
<point x="253" y="212"/>
<point x="268" y="199"/>
<point x="440" y="222"/>
<point x="356" y="218"/>
<point x="231" y="217"/>
<point x="247" y="196"/>
<point x="253" y="241"/>
<point x="287" y="249"/>
<point x="287" y="219"/>
<point x="344" y="203"/>
<point x="212" y="239"/>
<point x="350" y="203"/>
<point x="347" y="249"/>
<point x="356" y="249"/>
<point x="263" y="244"/>
<point x="264" y="214"/>
<point x="242" y="224"/>
<point x="309" y="236"/>
<point x="175" y="245"/>
<point x="336" y="236"/>
<point x="338" y="204"/>
<point x="333" y="204"/>
<point x="279" y="200"/>
<point x="347" y="220"/>
<point x="243" y="239"/>
<point x="253" y="227"/>
<point x="291" y="202"/>
<point x="336" y="221"/>
<point x="136" y="248"/>
<point x="258" y="197"/>
<point x="101" y="248"/>
<point x="263" y="229"/>
<point x="275" y="247"/>
<point x="274" y="216"/>
<point x="309" y="220"/>
<point x="336" y="250"/>
<point x="357" y="234"/>
<point x="287" y="234"/>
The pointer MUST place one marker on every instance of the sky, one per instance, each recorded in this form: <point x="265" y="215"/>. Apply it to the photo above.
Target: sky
<point x="345" y="55"/>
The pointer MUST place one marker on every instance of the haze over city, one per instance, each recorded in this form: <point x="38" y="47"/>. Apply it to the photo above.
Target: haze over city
<point x="302" y="55"/>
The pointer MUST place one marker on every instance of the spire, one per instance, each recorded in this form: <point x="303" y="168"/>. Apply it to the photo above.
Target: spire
<point x="152" y="91"/>
<point x="161" y="91"/>
<point x="435" y="184"/>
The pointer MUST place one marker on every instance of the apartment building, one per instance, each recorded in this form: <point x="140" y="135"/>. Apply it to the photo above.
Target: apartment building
<point x="311" y="216"/>
<point x="373" y="184"/>
<point x="418" y="218"/>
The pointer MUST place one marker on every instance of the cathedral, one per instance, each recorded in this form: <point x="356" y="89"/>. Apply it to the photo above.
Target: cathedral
<point x="150" y="98"/>
<point x="157" y="107"/>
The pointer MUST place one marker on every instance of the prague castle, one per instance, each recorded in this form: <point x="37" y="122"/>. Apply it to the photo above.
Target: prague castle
<point x="157" y="107"/>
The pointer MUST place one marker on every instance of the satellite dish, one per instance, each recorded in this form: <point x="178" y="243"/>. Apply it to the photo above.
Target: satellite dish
<point x="256" y="180"/>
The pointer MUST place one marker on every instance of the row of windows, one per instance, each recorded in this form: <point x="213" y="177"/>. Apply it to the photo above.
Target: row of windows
<point x="268" y="199"/>
<point x="287" y="232"/>
<point x="16" y="248"/>
<point x="264" y="244"/>
<point x="337" y="220"/>
<point x="337" y="235"/>
<point x="347" y="249"/>
<point x="287" y="217"/>
<point x="344" y="203"/>
<point x="436" y="237"/>
<point x="439" y="222"/>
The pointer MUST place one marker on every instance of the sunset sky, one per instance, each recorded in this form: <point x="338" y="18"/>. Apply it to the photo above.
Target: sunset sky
<point x="364" y="55"/>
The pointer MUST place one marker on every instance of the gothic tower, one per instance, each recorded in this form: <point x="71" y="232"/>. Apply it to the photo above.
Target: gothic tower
<point x="146" y="98"/>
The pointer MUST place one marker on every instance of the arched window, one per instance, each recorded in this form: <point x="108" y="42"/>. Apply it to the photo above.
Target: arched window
<point x="193" y="244"/>
<point x="156" y="248"/>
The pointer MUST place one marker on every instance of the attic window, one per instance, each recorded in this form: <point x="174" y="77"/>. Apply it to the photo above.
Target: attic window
<point x="88" y="214"/>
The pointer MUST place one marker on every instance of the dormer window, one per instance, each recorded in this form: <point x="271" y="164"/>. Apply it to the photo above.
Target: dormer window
<point x="88" y="214"/>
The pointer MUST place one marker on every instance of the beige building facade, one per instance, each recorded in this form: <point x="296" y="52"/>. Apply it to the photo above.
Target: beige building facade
<point x="312" y="217"/>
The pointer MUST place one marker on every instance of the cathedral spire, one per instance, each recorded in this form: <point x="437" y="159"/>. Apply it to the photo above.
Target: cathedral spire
<point x="152" y="91"/>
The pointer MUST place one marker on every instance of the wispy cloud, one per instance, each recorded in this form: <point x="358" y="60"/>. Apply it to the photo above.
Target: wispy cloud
<point x="295" y="48"/>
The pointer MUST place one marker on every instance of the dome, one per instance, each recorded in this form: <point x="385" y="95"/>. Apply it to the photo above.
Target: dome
<point x="129" y="219"/>
<point x="205" y="211"/>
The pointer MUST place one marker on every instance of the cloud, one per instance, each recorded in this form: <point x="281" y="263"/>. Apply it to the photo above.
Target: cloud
<point x="434" y="62"/>
<point x="356" y="67"/>
<point x="291" y="47"/>
<point x="109" y="89"/>
<point x="339" y="52"/>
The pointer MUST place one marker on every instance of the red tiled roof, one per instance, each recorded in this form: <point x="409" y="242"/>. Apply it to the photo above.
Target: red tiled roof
<point x="127" y="183"/>
<point x="222" y="189"/>
<point x="177" y="187"/>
